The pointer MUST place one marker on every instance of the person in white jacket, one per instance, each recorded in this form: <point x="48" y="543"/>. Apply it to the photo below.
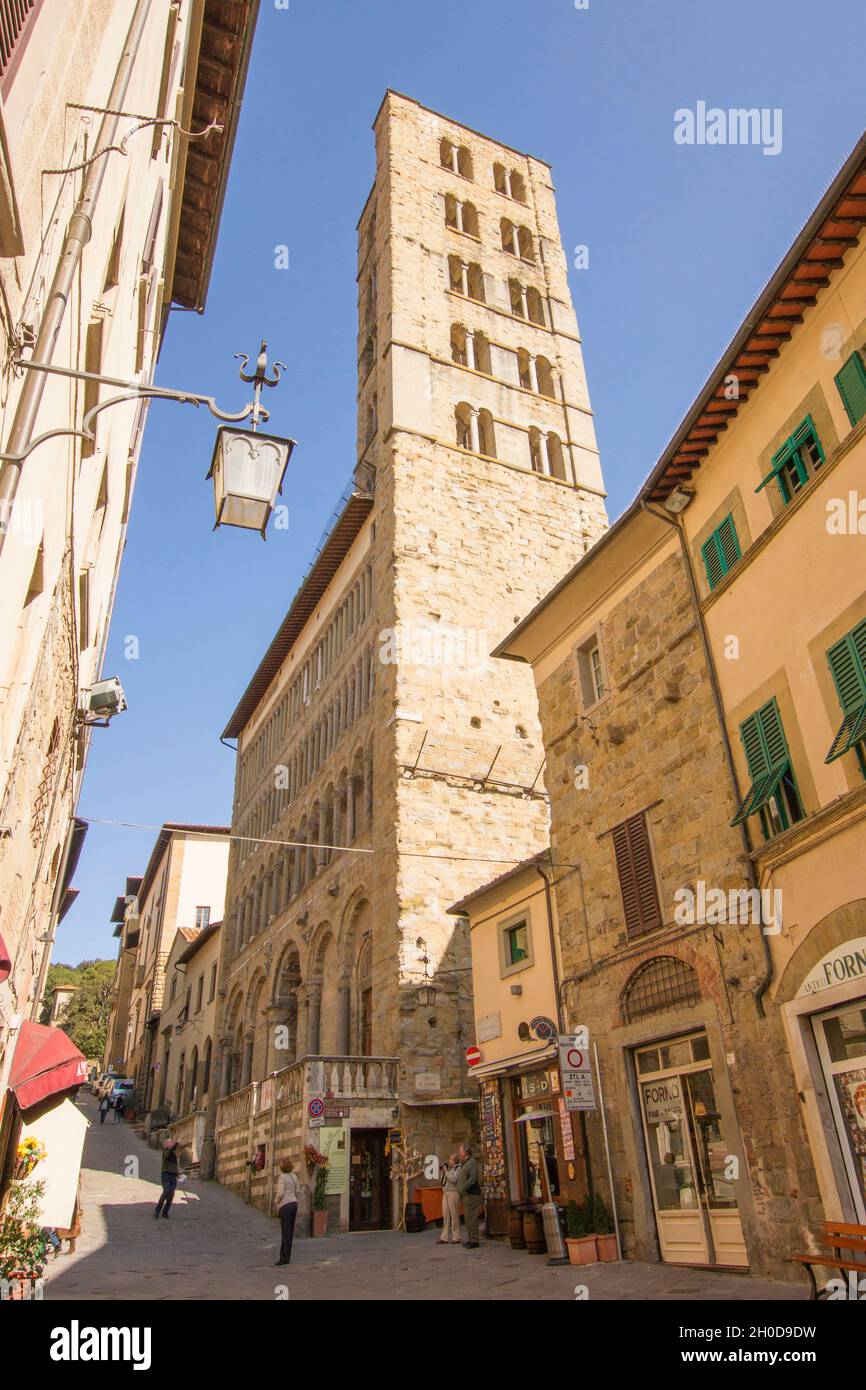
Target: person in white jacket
<point x="450" y="1202"/>
<point x="287" y="1208"/>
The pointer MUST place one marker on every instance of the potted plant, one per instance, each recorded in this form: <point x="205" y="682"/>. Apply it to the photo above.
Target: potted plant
<point x="603" y="1230"/>
<point x="23" y="1246"/>
<point x="580" y="1240"/>
<point x="318" y="1162"/>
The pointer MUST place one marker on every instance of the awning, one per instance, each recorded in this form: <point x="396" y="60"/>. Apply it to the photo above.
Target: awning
<point x="45" y="1063"/>
<point x="5" y="961"/>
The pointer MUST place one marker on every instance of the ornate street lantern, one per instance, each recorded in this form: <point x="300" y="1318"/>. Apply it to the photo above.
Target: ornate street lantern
<point x="247" y="470"/>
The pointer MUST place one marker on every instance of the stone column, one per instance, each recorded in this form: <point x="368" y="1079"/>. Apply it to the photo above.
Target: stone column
<point x="474" y="437"/>
<point x="247" y="1061"/>
<point x="350" y="809"/>
<point x="343" y="1001"/>
<point x="533" y="373"/>
<point x="470" y="349"/>
<point x="226" y="1067"/>
<point x="368" y="787"/>
<point x="464" y="278"/>
<point x="543" y="455"/>
<point x="314" y="1007"/>
<point x="524" y="302"/>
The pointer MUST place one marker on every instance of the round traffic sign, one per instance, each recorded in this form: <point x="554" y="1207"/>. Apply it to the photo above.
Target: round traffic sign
<point x="574" y="1058"/>
<point x="316" y="1107"/>
<point x="473" y="1056"/>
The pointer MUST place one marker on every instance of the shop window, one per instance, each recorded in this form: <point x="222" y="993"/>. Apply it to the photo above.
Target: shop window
<point x="661" y="984"/>
<point x="773" y="795"/>
<point x="637" y="880"/>
<point x="847" y="662"/>
<point x="796" y="461"/>
<point x="515" y="946"/>
<point x="851" y="385"/>
<point x="721" y="551"/>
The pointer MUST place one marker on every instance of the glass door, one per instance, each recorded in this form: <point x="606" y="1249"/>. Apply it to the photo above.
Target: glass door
<point x="841" y="1038"/>
<point x="691" y="1168"/>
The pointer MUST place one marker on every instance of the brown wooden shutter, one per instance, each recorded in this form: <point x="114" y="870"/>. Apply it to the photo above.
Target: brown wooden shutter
<point x="636" y="875"/>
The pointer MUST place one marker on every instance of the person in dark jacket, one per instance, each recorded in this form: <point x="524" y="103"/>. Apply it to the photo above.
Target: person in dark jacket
<point x="104" y="1106"/>
<point x="469" y="1187"/>
<point x="169" y="1177"/>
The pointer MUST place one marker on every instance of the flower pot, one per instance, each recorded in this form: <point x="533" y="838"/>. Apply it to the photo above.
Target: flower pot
<point x="582" y="1250"/>
<point x="320" y="1223"/>
<point x="606" y="1247"/>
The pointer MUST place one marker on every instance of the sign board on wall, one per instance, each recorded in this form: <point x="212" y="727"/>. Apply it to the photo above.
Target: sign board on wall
<point x="576" y="1070"/>
<point x="488" y="1027"/>
<point x="428" y="1082"/>
<point x="843" y="964"/>
<point x="334" y="1142"/>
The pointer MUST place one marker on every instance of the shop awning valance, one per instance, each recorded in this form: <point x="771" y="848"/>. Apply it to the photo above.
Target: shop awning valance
<point x="45" y="1063"/>
<point x="5" y="961"/>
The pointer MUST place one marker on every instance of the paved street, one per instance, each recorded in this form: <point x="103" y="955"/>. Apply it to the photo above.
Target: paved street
<point x="216" y="1247"/>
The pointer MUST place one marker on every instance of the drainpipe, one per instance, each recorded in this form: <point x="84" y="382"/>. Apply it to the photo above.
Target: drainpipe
<point x="78" y="234"/>
<point x="761" y="988"/>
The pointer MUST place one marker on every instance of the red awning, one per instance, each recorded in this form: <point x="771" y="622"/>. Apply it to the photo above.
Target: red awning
<point x="45" y="1063"/>
<point x="5" y="960"/>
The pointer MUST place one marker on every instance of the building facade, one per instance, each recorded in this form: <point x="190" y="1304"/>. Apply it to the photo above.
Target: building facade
<point x="381" y="755"/>
<point x="186" y="1036"/>
<point x="182" y="890"/>
<point x="95" y="248"/>
<point x="700" y="680"/>
<point x="532" y="1149"/>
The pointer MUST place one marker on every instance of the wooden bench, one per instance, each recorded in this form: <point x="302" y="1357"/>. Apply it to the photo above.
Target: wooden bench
<point x="840" y="1238"/>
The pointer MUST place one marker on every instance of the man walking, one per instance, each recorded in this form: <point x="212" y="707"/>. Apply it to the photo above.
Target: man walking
<point x="169" y="1178"/>
<point x="469" y="1187"/>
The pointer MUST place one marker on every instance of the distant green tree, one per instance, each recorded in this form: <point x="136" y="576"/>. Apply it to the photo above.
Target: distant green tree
<point x="86" y="1018"/>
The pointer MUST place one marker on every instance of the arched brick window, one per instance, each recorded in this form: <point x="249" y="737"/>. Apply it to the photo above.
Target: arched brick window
<point x="663" y="983"/>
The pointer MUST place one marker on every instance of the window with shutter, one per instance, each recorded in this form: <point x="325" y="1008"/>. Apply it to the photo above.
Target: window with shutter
<point x="721" y="552"/>
<point x="637" y="880"/>
<point x="796" y="461"/>
<point x="847" y="661"/>
<point x="851" y="385"/>
<point x="773" y="795"/>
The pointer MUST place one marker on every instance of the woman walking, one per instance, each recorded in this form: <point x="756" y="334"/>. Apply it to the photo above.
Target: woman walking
<point x="450" y="1202"/>
<point x="103" y="1109"/>
<point x="169" y="1175"/>
<point x="287" y="1208"/>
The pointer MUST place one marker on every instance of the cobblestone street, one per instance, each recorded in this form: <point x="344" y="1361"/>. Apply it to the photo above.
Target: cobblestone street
<point x="216" y="1247"/>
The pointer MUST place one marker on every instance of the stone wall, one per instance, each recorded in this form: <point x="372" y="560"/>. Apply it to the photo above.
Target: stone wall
<point x="654" y="745"/>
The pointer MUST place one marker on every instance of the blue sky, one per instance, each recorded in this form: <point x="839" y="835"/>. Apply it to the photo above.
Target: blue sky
<point x="680" y="238"/>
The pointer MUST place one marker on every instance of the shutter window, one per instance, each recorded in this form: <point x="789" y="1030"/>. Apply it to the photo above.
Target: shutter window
<point x="851" y="385"/>
<point x="721" y="552"/>
<point x="773" y="792"/>
<point x="847" y="661"/>
<point x="637" y="879"/>
<point x="796" y="461"/>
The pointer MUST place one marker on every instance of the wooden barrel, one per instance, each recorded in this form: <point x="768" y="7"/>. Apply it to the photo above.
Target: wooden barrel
<point x="414" y="1217"/>
<point x="533" y="1231"/>
<point x="515" y="1229"/>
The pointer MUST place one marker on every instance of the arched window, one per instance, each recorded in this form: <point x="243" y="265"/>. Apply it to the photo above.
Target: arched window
<point x="205" y="1073"/>
<point x="466" y="278"/>
<point x="556" y="457"/>
<point x="486" y="438"/>
<point x="365" y="999"/>
<point x="456" y="158"/>
<point x="517" y="294"/>
<point x="544" y="376"/>
<point x="535" y="306"/>
<point x="462" y="420"/>
<point x="509" y="182"/>
<point x="660" y="984"/>
<point x="458" y="344"/>
<point x="525" y="248"/>
<point x="461" y="217"/>
<point x="508" y="236"/>
<point x="368" y="357"/>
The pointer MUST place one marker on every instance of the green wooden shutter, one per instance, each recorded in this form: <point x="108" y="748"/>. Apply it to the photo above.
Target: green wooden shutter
<point x="713" y="561"/>
<point x="851" y="385"/>
<point x="767" y="757"/>
<point x="721" y="551"/>
<point x="847" y="662"/>
<point x="773" y="734"/>
<point x="750" y="733"/>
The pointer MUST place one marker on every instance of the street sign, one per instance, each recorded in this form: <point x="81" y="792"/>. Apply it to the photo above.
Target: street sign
<point x="316" y="1107"/>
<point x="314" y="1122"/>
<point x="576" y="1070"/>
<point x="473" y="1056"/>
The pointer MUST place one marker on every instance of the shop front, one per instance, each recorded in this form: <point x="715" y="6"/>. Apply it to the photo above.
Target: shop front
<point x="688" y="1151"/>
<point x="826" y="1025"/>
<point x="528" y="1147"/>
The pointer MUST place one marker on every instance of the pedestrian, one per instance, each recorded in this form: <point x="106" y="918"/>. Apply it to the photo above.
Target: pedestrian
<point x="469" y="1187"/>
<point x="450" y="1202"/>
<point x="119" y="1109"/>
<point x="169" y="1177"/>
<point x="287" y="1208"/>
<point x="103" y="1109"/>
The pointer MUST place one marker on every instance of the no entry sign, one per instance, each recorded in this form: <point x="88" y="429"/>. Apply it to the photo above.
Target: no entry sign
<point x="473" y="1056"/>
<point x="574" y="1064"/>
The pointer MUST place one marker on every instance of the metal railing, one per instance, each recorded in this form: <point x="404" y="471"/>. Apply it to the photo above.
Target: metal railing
<point x="15" y="15"/>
